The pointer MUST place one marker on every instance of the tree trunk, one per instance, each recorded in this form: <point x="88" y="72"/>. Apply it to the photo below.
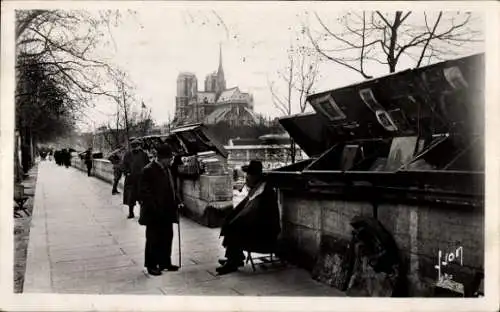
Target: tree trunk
<point x="18" y="174"/>
<point x="127" y="131"/>
<point x="391" y="59"/>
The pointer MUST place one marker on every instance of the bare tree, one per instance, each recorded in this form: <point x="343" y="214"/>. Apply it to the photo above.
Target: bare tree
<point x="114" y="131"/>
<point x="63" y="43"/>
<point x="57" y="74"/>
<point x="128" y="119"/>
<point x="124" y="99"/>
<point x="299" y="78"/>
<point x="360" y="40"/>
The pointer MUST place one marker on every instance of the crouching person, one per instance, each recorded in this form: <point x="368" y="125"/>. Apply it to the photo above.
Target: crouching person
<point x="254" y="224"/>
<point x="159" y="211"/>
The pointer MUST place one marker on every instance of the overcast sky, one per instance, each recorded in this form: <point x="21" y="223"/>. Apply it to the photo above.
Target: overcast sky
<point x="158" y="42"/>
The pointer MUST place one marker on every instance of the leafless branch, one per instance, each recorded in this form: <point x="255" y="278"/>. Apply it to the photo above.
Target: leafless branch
<point x="431" y="35"/>
<point x="384" y="37"/>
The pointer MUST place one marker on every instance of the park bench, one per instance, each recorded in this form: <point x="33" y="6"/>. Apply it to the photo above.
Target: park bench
<point x="20" y="199"/>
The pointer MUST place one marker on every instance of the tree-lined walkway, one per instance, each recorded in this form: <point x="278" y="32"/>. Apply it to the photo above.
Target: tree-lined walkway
<point x="81" y="242"/>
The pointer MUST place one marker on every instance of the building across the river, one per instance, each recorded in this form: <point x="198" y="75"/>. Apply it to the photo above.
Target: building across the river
<point x="273" y="150"/>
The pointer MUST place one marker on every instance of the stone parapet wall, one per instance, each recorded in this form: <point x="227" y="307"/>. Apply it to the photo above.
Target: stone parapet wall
<point x="315" y="222"/>
<point x="101" y="168"/>
<point x="208" y="199"/>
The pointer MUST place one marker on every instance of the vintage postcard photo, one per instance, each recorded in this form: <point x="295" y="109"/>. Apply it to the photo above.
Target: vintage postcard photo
<point x="249" y="155"/>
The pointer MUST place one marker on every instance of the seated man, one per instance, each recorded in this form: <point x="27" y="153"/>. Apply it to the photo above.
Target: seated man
<point x="254" y="224"/>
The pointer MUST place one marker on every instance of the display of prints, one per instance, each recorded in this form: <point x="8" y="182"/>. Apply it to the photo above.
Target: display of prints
<point x="385" y="120"/>
<point x="454" y="77"/>
<point x="327" y="106"/>
<point x="369" y="99"/>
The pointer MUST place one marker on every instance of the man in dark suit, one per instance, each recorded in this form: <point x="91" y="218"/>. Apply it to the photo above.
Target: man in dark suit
<point x="254" y="224"/>
<point x="88" y="161"/>
<point x="159" y="210"/>
<point x="133" y="162"/>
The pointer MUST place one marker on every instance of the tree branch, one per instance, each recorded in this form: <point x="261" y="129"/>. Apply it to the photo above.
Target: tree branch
<point x="431" y="34"/>
<point x="318" y="49"/>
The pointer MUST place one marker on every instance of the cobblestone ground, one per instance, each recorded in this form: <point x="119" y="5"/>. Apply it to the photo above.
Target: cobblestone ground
<point x="81" y="242"/>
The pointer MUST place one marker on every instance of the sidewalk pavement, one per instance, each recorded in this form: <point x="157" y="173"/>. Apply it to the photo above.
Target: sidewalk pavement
<point x="81" y="242"/>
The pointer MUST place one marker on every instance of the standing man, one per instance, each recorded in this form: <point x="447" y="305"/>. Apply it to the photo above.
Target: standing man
<point x="115" y="159"/>
<point x="66" y="158"/>
<point x="88" y="161"/>
<point x="134" y="161"/>
<point x="159" y="211"/>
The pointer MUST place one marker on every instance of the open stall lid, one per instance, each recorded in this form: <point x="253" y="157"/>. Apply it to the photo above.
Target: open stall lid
<point x="196" y="139"/>
<point x="446" y="97"/>
<point x="309" y="131"/>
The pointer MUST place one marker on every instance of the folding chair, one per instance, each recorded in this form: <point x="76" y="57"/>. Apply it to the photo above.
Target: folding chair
<point x="269" y="258"/>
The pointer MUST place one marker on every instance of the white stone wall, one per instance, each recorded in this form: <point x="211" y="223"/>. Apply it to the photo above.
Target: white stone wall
<point x="102" y="168"/>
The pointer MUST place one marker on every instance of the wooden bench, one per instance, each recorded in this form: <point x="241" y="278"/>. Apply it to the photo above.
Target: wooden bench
<point x="20" y="199"/>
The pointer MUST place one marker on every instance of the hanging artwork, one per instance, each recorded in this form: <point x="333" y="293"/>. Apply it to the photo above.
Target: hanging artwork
<point x="326" y="105"/>
<point x="369" y="100"/>
<point x="455" y="78"/>
<point x="383" y="118"/>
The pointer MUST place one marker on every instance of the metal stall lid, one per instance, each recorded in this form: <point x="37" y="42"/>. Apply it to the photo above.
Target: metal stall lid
<point x="433" y="114"/>
<point x="309" y="131"/>
<point x="440" y="98"/>
<point x="196" y="139"/>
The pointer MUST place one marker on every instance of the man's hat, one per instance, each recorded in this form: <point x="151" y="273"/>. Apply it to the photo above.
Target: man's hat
<point x="164" y="151"/>
<point x="135" y="142"/>
<point x="254" y="167"/>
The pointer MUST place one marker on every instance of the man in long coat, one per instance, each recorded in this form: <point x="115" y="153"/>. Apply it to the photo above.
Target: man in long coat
<point x="254" y="224"/>
<point x="88" y="161"/>
<point x="115" y="159"/>
<point x="133" y="162"/>
<point x="159" y="210"/>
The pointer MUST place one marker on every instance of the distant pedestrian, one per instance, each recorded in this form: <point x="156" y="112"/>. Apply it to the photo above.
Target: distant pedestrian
<point x="88" y="161"/>
<point x="133" y="162"/>
<point x="57" y="157"/>
<point x="66" y="158"/>
<point x="115" y="159"/>
<point x="176" y="163"/>
<point x="159" y="211"/>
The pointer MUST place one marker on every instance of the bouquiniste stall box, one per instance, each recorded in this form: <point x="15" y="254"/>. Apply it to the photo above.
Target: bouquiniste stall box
<point x="206" y="183"/>
<point x="405" y="150"/>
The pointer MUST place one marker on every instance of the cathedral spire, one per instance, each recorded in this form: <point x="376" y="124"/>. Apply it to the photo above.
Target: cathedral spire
<point x="220" y="59"/>
<point x="221" y="81"/>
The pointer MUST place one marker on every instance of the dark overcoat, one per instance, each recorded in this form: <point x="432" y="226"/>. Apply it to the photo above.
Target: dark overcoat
<point x="133" y="162"/>
<point x="254" y="224"/>
<point x="88" y="159"/>
<point x="158" y="197"/>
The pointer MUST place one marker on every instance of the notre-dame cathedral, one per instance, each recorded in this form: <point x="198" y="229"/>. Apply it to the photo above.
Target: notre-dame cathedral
<point x="213" y="105"/>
